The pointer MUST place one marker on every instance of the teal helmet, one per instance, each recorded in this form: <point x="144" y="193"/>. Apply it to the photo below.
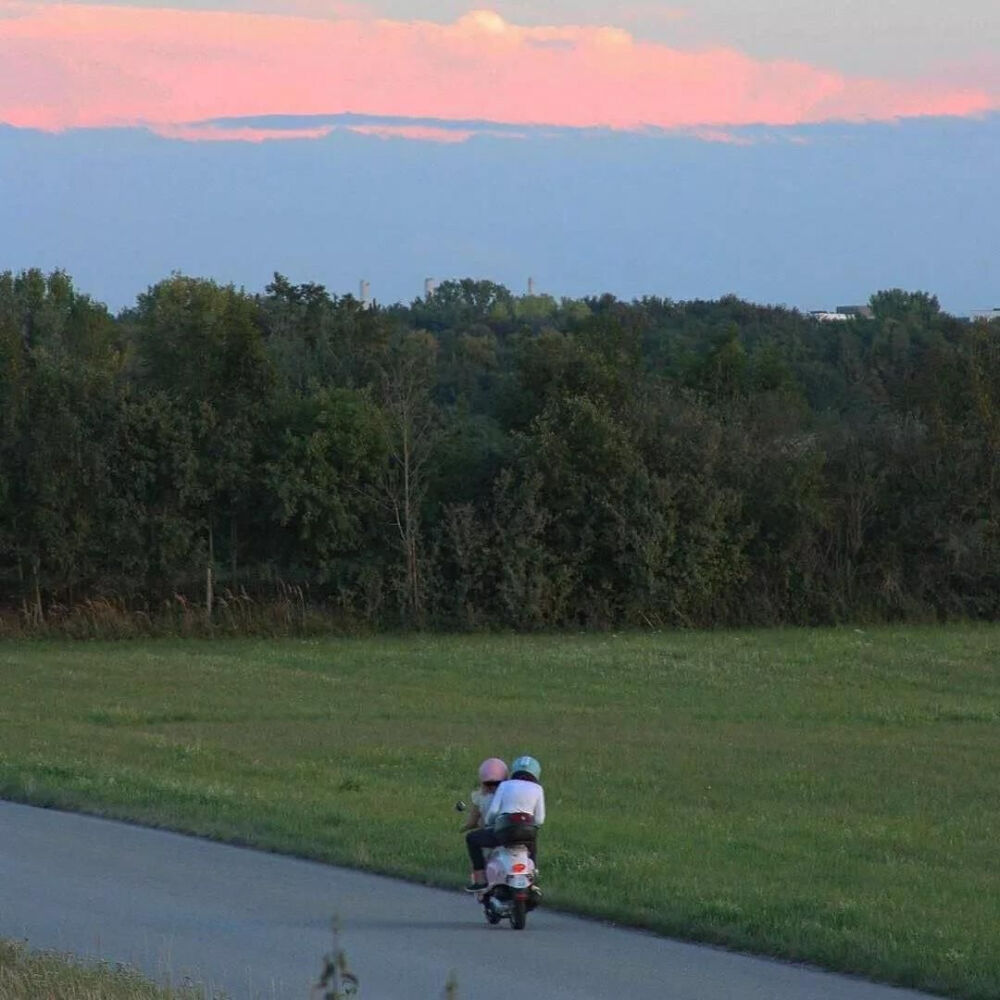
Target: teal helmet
<point x="529" y="765"/>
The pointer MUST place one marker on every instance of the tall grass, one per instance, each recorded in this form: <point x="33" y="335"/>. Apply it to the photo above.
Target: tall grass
<point x="285" y="611"/>
<point x="49" y="975"/>
<point x="30" y="975"/>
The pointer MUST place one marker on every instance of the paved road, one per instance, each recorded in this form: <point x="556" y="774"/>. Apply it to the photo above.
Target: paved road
<point x="257" y="925"/>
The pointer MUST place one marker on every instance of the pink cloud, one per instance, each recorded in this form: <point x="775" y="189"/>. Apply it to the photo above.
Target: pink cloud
<point x="709" y="134"/>
<point x="237" y="133"/>
<point x="72" y="65"/>
<point x="429" y="133"/>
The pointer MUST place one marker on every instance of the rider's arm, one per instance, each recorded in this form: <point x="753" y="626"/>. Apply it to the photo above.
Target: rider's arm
<point x="540" y="807"/>
<point x="475" y="818"/>
<point x="494" y="809"/>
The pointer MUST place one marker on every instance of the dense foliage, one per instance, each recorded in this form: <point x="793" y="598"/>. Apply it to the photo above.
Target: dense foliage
<point x="477" y="459"/>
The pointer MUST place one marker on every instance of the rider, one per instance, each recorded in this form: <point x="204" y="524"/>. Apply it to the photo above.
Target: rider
<point x="491" y="772"/>
<point x="514" y="816"/>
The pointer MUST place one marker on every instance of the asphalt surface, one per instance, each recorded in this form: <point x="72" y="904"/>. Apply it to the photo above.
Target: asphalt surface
<point x="258" y="925"/>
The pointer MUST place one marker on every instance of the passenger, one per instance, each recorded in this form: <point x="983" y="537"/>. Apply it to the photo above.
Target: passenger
<point x="491" y="773"/>
<point x="513" y="817"/>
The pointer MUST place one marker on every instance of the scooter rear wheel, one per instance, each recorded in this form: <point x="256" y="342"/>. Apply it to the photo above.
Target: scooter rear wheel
<point x="518" y="915"/>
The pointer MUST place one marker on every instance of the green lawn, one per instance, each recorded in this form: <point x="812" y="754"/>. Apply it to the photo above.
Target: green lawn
<point x="829" y="795"/>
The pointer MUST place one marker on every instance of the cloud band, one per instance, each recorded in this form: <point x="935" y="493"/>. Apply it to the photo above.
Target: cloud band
<point x="67" y="65"/>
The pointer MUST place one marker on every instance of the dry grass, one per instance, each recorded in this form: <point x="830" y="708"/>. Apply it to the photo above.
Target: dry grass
<point x="30" y="975"/>
<point x="287" y="611"/>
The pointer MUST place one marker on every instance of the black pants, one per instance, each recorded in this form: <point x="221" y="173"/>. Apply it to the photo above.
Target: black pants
<point x="477" y="840"/>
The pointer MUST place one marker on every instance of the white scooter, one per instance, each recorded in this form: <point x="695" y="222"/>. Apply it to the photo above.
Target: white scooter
<point x="510" y="892"/>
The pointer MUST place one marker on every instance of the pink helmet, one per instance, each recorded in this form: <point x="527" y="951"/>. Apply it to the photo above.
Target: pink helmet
<point x="493" y="769"/>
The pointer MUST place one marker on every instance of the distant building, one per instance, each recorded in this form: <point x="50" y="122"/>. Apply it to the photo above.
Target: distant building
<point x="841" y="314"/>
<point x="856" y="312"/>
<point x="984" y="315"/>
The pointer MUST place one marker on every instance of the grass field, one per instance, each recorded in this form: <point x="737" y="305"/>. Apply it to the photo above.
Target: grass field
<point x="826" y="795"/>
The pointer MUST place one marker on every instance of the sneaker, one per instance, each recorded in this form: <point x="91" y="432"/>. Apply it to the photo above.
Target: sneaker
<point x="477" y="887"/>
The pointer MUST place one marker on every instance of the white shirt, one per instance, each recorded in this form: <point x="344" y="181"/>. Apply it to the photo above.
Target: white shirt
<point x="517" y="796"/>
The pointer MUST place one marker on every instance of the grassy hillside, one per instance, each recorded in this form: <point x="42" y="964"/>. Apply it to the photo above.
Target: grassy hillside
<point x="828" y="795"/>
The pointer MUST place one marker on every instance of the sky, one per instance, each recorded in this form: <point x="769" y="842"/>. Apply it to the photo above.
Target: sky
<point x="789" y="151"/>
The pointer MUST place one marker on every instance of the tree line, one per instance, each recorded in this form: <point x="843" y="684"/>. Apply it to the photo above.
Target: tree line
<point x="476" y="459"/>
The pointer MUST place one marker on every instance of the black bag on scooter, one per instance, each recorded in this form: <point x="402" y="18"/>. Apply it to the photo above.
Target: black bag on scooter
<point x="515" y="828"/>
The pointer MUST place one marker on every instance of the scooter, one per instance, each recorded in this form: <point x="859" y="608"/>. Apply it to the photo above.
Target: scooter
<point x="511" y="892"/>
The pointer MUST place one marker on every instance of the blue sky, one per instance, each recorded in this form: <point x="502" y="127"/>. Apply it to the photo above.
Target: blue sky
<point x="789" y="152"/>
<point x="822" y="216"/>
